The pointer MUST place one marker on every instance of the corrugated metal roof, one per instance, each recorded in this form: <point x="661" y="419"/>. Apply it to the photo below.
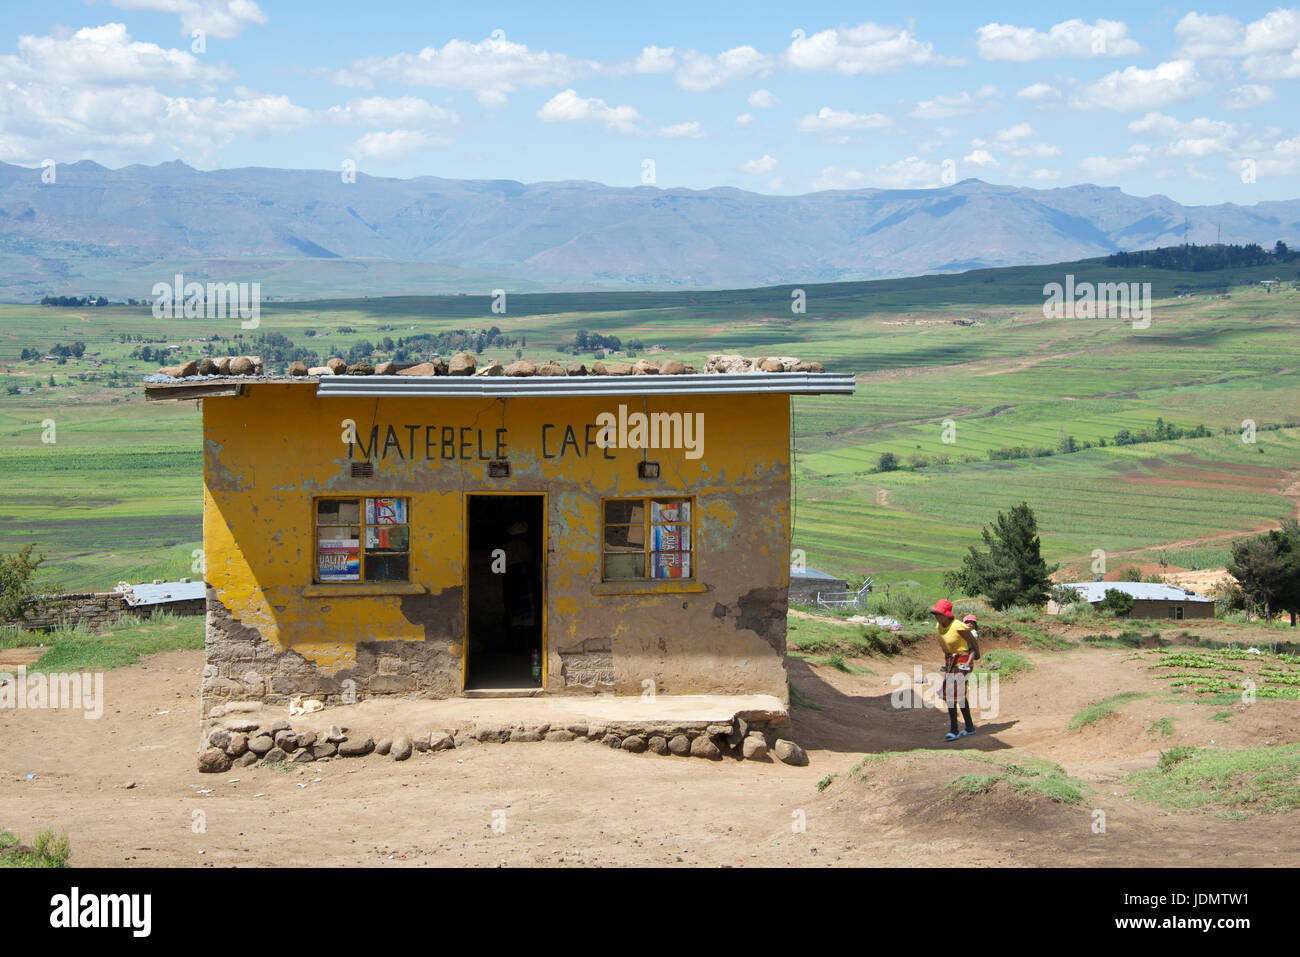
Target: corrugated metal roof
<point x="150" y="594"/>
<point x="792" y="383"/>
<point x="1149" y="591"/>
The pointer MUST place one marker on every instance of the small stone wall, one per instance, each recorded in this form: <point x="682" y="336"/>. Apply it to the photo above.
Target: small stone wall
<point x="240" y="739"/>
<point x="96" y="610"/>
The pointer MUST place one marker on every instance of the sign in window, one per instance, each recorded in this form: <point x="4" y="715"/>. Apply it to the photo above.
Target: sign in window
<point x="363" y="539"/>
<point x="647" y="539"/>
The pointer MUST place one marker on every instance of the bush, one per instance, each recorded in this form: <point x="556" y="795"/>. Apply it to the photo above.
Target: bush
<point x="1077" y="611"/>
<point x="16" y="585"/>
<point x="1130" y="573"/>
<point x="1116" y="602"/>
<point x="888" y="462"/>
<point x="1022" y="613"/>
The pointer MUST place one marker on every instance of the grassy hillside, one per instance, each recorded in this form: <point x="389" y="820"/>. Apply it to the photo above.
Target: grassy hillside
<point x="118" y="494"/>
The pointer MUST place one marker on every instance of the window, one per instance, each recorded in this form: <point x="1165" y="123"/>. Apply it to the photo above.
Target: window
<point x="344" y="524"/>
<point x="647" y="538"/>
<point x="1176" y="612"/>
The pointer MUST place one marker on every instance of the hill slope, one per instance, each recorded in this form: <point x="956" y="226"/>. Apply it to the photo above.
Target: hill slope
<point x="114" y="229"/>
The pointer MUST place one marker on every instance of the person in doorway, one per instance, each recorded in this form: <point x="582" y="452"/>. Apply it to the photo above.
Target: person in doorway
<point x="958" y="648"/>
<point x="520" y="604"/>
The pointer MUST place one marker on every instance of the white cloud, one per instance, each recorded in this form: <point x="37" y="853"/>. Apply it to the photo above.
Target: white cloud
<point x="1160" y="124"/>
<point x="568" y="107"/>
<point x="1204" y="35"/>
<point x="1108" y="167"/>
<point x="1199" y="175"/>
<point x="759" y="167"/>
<point x="699" y="72"/>
<point x="691" y="130"/>
<point x="104" y="56"/>
<point x="980" y="158"/>
<point x="1037" y="92"/>
<point x="1045" y="175"/>
<point x="387" y="146"/>
<point x="1071" y="38"/>
<point x="959" y="104"/>
<point x="223" y="19"/>
<point x="1248" y="96"/>
<point x="494" y="64"/>
<point x="827" y="120"/>
<point x="761" y="99"/>
<point x="868" y="49"/>
<point x="1279" y="159"/>
<point x="1013" y="140"/>
<point x="1270" y="45"/>
<point x="385" y="111"/>
<point x="1281" y="66"/>
<point x="1136" y="89"/>
<point x="745" y="119"/>
<point x="907" y="173"/>
<point x="654" y="60"/>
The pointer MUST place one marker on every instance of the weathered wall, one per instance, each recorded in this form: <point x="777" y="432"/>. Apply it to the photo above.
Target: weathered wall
<point x="1159" y="608"/>
<point x="272" y="633"/>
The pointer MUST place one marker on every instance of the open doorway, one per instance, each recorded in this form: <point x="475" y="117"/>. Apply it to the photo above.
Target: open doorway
<point x="506" y="602"/>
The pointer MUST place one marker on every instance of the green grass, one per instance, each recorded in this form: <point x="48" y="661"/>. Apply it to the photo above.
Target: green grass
<point x="1252" y="780"/>
<point x="47" y="851"/>
<point x="1010" y="663"/>
<point x="119" y="495"/>
<point x="1026" y="776"/>
<point x="1095" y="712"/>
<point x="1221" y="716"/>
<point x="77" y="649"/>
<point x="1162" y="727"/>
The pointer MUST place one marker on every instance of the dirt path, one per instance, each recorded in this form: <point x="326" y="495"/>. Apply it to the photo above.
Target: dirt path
<point x="581" y="803"/>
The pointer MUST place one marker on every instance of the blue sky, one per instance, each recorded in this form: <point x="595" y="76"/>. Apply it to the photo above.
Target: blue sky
<point x="1190" y="102"/>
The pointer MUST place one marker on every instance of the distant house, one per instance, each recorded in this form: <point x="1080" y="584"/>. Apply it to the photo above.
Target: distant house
<point x="1149" y="600"/>
<point x="805" y="584"/>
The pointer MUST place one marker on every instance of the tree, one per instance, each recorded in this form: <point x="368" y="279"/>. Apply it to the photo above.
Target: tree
<point x="1116" y="601"/>
<point x="16" y="586"/>
<point x="1011" y="570"/>
<point x="1268" y="568"/>
<point x="1130" y="573"/>
<point x="888" y="462"/>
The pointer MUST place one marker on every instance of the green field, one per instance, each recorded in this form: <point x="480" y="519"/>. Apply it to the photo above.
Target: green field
<point x="117" y="495"/>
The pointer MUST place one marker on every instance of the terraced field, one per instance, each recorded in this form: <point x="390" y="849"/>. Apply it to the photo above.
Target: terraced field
<point x="949" y="368"/>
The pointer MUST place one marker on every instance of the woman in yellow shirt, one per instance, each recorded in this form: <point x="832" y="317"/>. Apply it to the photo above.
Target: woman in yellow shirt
<point x="960" y="650"/>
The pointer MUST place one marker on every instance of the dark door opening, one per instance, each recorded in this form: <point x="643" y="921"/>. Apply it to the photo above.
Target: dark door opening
<point x="506" y="597"/>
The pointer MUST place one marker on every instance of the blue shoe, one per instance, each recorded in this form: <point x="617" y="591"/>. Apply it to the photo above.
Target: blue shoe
<point x="951" y="736"/>
<point x="966" y="732"/>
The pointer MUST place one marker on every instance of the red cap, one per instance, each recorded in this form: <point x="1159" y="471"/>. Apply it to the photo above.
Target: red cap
<point x="970" y="618"/>
<point x="942" y="607"/>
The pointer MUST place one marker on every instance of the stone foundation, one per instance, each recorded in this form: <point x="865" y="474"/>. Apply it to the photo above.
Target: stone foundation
<point x="238" y="736"/>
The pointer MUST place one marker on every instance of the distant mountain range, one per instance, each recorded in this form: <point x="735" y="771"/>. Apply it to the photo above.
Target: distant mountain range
<point x="306" y="233"/>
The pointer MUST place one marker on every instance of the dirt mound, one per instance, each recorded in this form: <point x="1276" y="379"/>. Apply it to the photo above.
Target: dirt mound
<point x="954" y="797"/>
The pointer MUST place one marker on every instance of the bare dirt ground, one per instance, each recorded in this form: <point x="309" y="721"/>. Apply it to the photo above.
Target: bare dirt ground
<point x="583" y="804"/>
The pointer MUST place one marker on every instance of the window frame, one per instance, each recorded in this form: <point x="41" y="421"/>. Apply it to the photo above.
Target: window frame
<point x="647" y="527"/>
<point x="361" y="526"/>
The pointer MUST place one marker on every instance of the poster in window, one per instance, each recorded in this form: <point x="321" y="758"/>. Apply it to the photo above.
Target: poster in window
<point x="671" y="545"/>
<point x="339" y="560"/>
<point x="670" y="510"/>
<point x="385" y="511"/>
